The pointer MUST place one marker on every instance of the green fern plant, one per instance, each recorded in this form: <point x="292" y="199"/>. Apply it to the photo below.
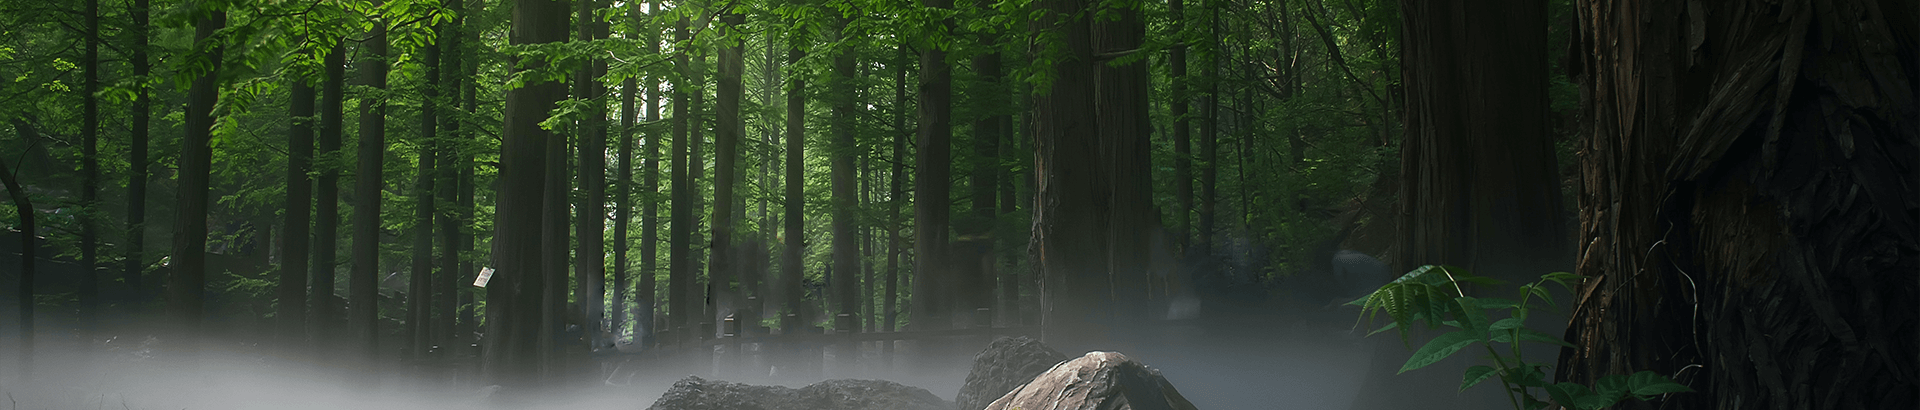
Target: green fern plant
<point x="1433" y="296"/>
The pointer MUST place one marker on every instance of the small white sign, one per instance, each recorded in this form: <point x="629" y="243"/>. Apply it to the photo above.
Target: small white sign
<point x="486" y="274"/>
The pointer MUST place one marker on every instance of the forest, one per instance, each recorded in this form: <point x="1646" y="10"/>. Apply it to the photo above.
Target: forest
<point x="574" y="203"/>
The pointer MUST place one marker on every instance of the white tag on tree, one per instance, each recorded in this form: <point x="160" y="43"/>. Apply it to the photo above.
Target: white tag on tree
<point x="486" y="274"/>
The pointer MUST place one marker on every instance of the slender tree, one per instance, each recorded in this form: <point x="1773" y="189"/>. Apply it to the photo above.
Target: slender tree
<point x="326" y="218"/>
<point x="648" y="297"/>
<point x="727" y="129"/>
<point x="29" y="251"/>
<point x="590" y="276"/>
<point x="420" y="297"/>
<point x="896" y="192"/>
<point x="795" y="218"/>
<point x="983" y="179"/>
<point x="294" y="250"/>
<point x="363" y="282"/>
<point x="623" y="199"/>
<point x="447" y="281"/>
<point x="137" y="162"/>
<point x="1209" y="135"/>
<point x="1182" y="123"/>
<point x="89" y="289"/>
<point x="681" y="212"/>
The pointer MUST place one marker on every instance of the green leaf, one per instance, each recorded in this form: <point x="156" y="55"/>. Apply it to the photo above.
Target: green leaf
<point x="1498" y="303"/>
<point x="1647" y="383"/>
<point x="1475" y="375"/>
<point x="1471" y="316"/>
<point x="1614" y="385"/>
<point x="1567" y="393"/>
<point x="1506" y="324"/>
<point x="1538" y="336"/>
<point x="1437" y="349"/>
<point x="1592" y="401"/>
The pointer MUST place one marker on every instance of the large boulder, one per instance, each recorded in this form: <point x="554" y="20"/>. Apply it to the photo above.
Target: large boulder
<point x="1006" y="364"/>
<point x="695" y="393"/>
<point x="1096" y="381"/>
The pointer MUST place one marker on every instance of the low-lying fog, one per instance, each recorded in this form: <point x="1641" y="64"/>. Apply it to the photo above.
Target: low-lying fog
<point x="1277" y="360"/>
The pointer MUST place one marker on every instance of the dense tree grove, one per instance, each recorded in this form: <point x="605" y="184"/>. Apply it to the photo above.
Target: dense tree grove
<point x="554" y="172"/>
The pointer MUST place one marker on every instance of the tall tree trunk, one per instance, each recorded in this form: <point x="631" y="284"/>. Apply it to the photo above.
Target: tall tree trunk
<point x="896" y="192"/>
<point x="554" y="247"/>
<point x="650" y="208"/>
<point x="1209" y="137"/>
<point x="1748" y="210"/>
<point x="89" y="289"/>
<point x="420" y="286"/>
<point x="326" y="219"/>
<point x="448" y="282"/>
<point x="29" y="251"/>
<point x="1122" y="112"/>
<point x="189" y="257"/>
<point x="700" y="296"/>
<point x="137" y="163"/>
<point x="846" y="257"/>
<point x="1182" y="127"/>
<point x="933" y="283"/>
<point x="293" y="260"/>
<point x="727" y="129"/>
<point x="984" y="181"/>
<point x="469" y="103"/>
<point x="623" y="204"/>
<point x="796" y="234"/>
<point x="1072" y="196"/>
<point x="514" y="296"/>
<point x="680" y="215"/>
<point x="363" y="282"/>
<point x="590" y="276"/>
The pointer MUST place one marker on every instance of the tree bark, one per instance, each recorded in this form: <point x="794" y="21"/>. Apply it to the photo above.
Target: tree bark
<point x="647" y="298"/>
<point x="728" y="126"/>
<point x="896" y="193"/>
<point x="846" y="257"/>
<point x="1182" y="126"/>
<point x="89" y="288"/>
<point x="29" y="251"/>
<point x="589" y="272"/>
<point x="1209" y="137"/>
<point x="977" y="247"/>
<point x="623" y="202"/>
<point x="1121" y="115"/>
<point x="189" y="258"/>
<point x="678" y="279"/>
<point x="420" y="283"/>
<point x="515" y="294"/>
<point x="795" y="207"/>
<point x="137" y="163"/>
<point x="1072" y="194"/>
<point x="1747" y="220"/>
<point x="933" y="300"/>
<point x="448" y="281"/>
<point x="294" y="251"/>
<point x="363" y="282"/>
<point x="326" y="219"/>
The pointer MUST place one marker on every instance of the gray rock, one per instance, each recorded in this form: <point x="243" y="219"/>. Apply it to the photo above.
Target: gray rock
<point x="695" y="393"/>
<point x="1006" y="364"/>
<point x="1096" y="381"/>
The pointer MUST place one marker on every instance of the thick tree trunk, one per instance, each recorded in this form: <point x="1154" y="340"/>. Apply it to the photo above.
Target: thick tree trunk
<point x="846" y="257"/>
<point x="293" y="261"/>
<point x="324" y="315"/>
<point x="933" y="290"/>
<point x="1748" y="213"/>
<point x="514" y="296"/>
<point x="977" y="244"/>
<point x="1122" y="112"/>
<point x="189" y="258"/>
<point x="363" y="282"/>
<point x="1072" y="199"/>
